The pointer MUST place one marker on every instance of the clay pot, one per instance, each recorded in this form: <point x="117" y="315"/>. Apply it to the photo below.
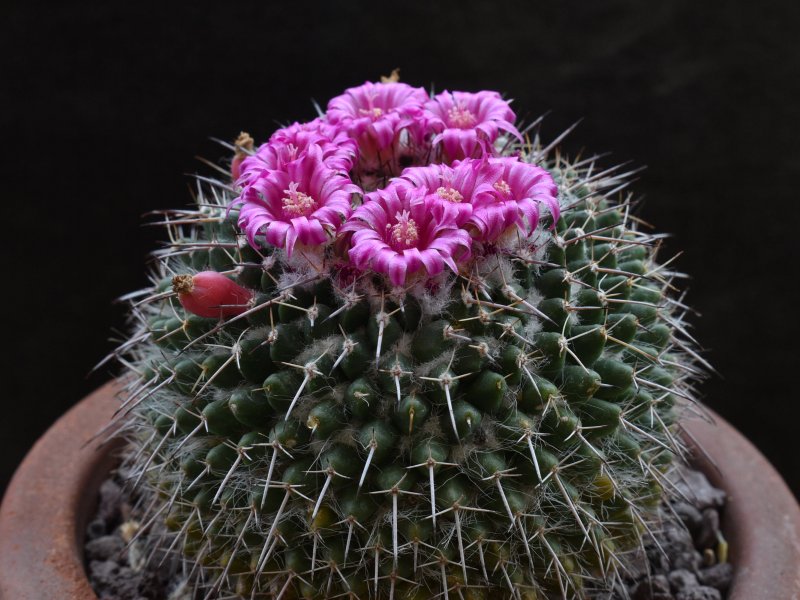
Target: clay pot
<point x="53" y="493"/>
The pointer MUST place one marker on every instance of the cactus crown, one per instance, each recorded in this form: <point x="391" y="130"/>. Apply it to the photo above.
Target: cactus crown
<point x="406" y="352"/>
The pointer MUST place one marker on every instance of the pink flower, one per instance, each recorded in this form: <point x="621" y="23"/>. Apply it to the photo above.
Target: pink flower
<point x="389" y="124"/>
<point x="303" y="202"/>
<point x="400" y="230"/>
<point x="461" y="186"/>
<point x="518" y="190"/>
<point x="339" y="152"/>
<point x="488" y="195"/>
<point x="468" y="124"/>
<point x="380" y="111"/>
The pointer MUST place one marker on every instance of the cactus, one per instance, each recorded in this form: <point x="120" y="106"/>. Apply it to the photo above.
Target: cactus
<point x="406" y="351"/>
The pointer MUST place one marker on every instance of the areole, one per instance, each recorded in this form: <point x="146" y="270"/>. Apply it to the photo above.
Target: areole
<point x="52" y="495"/>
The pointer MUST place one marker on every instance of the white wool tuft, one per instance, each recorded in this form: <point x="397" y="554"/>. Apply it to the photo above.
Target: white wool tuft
<point x="433" y="303"/>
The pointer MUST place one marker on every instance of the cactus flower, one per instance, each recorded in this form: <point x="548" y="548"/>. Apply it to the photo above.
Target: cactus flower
<point x="304" y="202"/>
<point x="400" y="230"/>
<point x="379" y="112"/>
<point x="518" y="191"/>
<point x="462" y="186"/>
<point x="211" y="294"/>
<point x="467" y="124"/>
<point x="489" y="196"/>
<point x="339" y="151"/>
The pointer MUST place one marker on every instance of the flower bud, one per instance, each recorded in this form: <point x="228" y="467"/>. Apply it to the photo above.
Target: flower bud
<point x="211" y="294"/>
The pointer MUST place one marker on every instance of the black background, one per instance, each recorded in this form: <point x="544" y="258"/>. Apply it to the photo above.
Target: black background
<point x="104" y="106"/>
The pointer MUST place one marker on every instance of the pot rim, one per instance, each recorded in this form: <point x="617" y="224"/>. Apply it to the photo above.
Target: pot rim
<point x="765" y="565"/>
<point x="49" y="500"/>
<point x="45" y="509"/>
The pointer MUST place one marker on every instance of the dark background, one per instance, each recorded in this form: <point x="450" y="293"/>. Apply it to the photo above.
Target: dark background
<point x="103" y="108"/>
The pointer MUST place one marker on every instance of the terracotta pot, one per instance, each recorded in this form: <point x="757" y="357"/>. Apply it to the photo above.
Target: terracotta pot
<point x="53" y="493"/>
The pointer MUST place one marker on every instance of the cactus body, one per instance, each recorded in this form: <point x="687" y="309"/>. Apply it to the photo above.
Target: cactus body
<point x="500" y="430"/>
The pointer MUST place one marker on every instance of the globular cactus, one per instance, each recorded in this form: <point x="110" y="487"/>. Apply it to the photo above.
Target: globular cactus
<point x="406" y="351"/>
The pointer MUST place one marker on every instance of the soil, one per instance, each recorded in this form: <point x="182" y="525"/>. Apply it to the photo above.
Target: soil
<point x="115" y="552"/>
<point x="687" y="559"/>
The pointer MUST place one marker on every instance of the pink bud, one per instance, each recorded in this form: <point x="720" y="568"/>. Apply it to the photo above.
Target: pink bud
<point x="236" y="166"/>
<point x="211" y="294"/>
<point x="244" y="147"/>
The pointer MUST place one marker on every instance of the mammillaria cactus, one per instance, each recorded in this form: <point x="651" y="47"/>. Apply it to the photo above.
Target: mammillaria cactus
<point x="406" y="350"/>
